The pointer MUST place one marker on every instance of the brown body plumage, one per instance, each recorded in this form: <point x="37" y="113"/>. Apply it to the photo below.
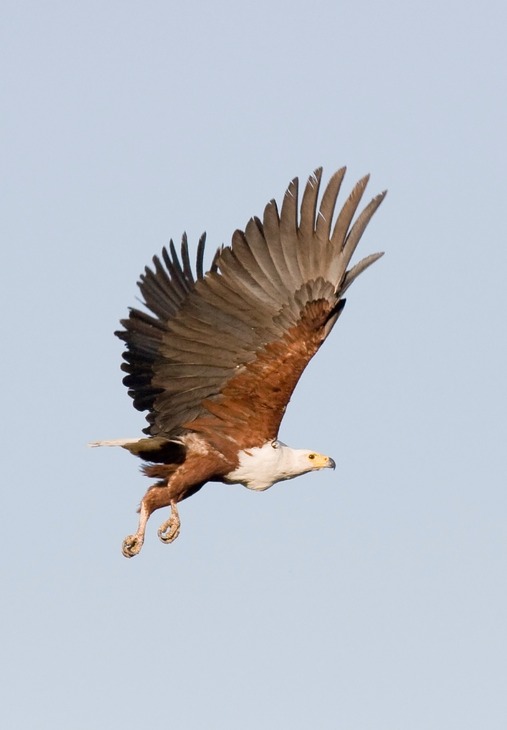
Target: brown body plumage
<point x="218" y="357"/>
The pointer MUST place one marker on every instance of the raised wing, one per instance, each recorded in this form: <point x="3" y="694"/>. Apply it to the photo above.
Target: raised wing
<point x="221" y="353"/>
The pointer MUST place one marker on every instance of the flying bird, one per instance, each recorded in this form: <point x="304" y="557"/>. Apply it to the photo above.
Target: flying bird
<point x="216" y="357"/>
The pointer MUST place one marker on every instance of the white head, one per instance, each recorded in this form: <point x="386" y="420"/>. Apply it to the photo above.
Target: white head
<point x="261" y="467"/>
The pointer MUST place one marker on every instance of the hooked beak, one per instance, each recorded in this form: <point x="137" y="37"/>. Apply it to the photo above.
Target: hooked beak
<point x="320" y="461"/>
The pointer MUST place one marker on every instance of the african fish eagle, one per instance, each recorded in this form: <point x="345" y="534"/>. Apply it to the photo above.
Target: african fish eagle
<point x="216" y="359"/>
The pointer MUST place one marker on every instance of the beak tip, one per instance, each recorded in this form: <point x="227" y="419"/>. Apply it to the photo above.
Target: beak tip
<point x="332" y="463"/>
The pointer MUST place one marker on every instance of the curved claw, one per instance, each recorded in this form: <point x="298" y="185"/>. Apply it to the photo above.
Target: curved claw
<point x="170" y="530"/>
<point x="132" y="545"/>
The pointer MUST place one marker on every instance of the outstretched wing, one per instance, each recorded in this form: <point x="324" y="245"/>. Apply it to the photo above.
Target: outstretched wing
<point x="222" y="352"/>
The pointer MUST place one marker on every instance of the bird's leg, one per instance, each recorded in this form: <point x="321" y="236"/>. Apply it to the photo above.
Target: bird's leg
<point x="170" y="530"/>
<point x="133" y="543"/>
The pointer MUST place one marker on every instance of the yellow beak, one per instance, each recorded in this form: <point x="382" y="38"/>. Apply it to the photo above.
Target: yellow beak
<point x="320" y="461"/>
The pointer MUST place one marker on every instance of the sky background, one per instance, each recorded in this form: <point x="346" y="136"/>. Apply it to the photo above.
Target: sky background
<point x="372" y="597"/>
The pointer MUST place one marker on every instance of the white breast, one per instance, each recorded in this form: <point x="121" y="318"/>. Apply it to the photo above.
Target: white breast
<point x="261" y="467"/>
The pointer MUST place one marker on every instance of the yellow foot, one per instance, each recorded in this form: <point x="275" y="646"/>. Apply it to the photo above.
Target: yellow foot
<point x="170" y="530"/>
<point x="132" y="545"/>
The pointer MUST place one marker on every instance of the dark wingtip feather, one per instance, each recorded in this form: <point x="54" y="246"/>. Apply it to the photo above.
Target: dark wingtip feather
<point x="215" y="263"/>
<point x="200" y="256"/>
<point x="164" y="286"/>
<point x="185" y="258"/>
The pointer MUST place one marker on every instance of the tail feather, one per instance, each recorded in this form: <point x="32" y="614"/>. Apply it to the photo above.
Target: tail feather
<point x="113" y="442"/>
<point x="157" y="449"/>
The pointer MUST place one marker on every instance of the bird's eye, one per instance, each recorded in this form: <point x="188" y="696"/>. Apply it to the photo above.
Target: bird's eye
<point x="311" y="456"/>
<point x="275" y="444"/>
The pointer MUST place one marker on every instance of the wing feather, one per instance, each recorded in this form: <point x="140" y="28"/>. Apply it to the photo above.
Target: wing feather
<point x="259" y="248"/>
<point x="247" y="259"/>
<point x="220" y="353"/>
<point x="327" y="206"/>
<point x="271" y="226"/>
<point x="309" y="205"/>
<point x="347" y="212"/>
<point x="289" y="231"/>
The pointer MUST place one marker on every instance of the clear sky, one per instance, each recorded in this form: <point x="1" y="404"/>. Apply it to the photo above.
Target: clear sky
<point x="372" y="597"/>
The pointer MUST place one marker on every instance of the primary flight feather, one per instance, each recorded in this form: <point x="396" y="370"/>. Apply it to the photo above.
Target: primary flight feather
<point x="215" y="360"/>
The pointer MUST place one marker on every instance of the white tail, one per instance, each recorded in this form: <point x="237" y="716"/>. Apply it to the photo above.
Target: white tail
<point x="114" y="442"/>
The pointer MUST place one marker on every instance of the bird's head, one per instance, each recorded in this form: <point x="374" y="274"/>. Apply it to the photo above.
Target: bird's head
<point x="261" y="467"/>
<point x="319" y="461"/>
<point x="302" y="461"/>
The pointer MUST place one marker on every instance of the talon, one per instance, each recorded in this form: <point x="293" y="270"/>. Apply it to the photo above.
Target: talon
<point x="170" y="530"/>
<point x="131" y="546"/>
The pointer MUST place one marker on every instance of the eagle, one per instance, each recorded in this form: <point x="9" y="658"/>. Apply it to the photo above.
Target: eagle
<point x="214" y="357"/>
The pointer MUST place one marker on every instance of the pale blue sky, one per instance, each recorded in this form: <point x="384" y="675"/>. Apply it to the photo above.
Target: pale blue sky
<point x="369" y="598"/>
